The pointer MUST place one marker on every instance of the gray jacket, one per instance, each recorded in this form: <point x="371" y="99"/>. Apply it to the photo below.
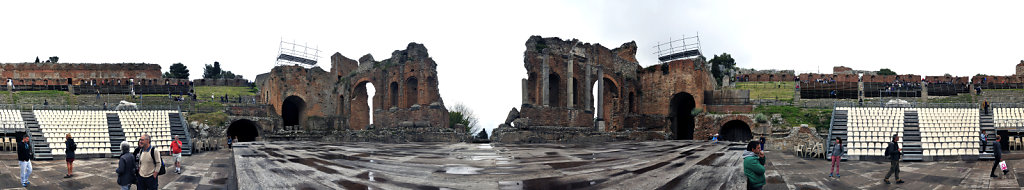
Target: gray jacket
<point x="837" y="150"/>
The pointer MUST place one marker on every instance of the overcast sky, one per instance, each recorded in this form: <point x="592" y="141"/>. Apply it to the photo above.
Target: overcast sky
<point x="478" y="45"/>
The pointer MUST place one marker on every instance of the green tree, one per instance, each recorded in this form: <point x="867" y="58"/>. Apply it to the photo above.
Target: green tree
<point x="461" y="114"/>
<point x="885" y="71"/>
<point x="721" y="65"/>
<point x="228" y="75"/>
<point x="54" y="59"/>
<point x="37" y="59"/>
<point x="212" y="71"/>
<point x="178" y="71"/>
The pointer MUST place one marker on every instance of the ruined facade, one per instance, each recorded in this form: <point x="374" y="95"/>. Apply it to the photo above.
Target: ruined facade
<point x="80" y="73"/>
<point x="405" y="93"/>
<point x="563" y="74"/>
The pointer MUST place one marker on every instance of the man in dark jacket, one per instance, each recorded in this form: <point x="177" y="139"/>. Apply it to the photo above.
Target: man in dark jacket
<point x="998" y="153"/>
<point x="126" y="169"/>
<point x="24" y="159"/>
<point x="69" y="152"/>
<point x="894" y="152"/>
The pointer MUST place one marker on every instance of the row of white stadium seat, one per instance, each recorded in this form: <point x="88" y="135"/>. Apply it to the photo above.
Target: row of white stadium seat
<point x="86" y="124"/>
<point x="1008" y="117"/>
<point x="951" y="152"/>
<point x="11" y="119"/>
<point x="156" y="123"/>
<point x="870" y="129"/>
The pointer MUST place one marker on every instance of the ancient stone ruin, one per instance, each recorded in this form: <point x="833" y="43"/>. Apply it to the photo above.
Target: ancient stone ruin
<point x="405" y="95"/>
<point x="663" y="101"/>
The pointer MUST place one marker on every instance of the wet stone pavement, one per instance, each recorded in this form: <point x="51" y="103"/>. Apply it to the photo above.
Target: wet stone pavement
<point x="207" y="170"/>
<point x="786" y="171"/>
<point x="626" y="165"/>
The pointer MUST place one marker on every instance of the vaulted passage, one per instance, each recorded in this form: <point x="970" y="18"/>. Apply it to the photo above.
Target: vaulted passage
<point x="291" y="110"/>
<point x="362" y="100"/>
<point x="735" y="130"/>
<point x="411" y="91"/>
<point x="245" y="130"/>
<point x="682" y="121"/>
<point x="554" y="87"/>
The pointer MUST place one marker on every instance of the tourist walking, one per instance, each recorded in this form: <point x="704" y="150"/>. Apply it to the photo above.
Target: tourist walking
<point x="149" y="164"/>
<point x="837" y="155"/>
<point x="229" y="142"/>
<point x="753" y="165"/>
<point x="24" y="159"/>
<point x="69" y="152"/>
<point x="983" y="142"/>
<point x="997" y="151"/>
<point x="176" y="154"/>
<point x="126" y="167"/>
<point x="894" y="152"/>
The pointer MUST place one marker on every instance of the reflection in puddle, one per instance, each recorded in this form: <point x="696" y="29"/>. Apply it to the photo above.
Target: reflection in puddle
<point x="462" y="170"/>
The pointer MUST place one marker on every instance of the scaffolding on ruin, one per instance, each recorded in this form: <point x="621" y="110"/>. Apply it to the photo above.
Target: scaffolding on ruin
<point x="291" y="53"/>
<point x="682" y="48"/>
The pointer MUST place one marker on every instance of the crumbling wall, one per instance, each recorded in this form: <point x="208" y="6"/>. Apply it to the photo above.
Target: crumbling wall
<point x="405" y="85"/>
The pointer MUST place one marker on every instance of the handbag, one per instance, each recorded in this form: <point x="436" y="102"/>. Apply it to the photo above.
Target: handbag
<point x="1002" y="165"/>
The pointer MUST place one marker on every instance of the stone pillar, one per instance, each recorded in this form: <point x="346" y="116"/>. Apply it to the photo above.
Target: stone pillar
<point x="590" y="92"/>
<point x="544" y="81"/>
<point x="526" y="93"/>
<point x="924" y="91"/>
<point x="568" y="88"/>
<point x="860" y="89"/>
<point x="600" y="95"/>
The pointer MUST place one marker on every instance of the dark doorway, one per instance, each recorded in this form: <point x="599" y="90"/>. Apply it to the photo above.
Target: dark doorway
<point x="393" y="88"/>
<point x="245" y="130"/>
<point x="735" y="130"/>
<point x="291" y="110"/>
<point x="554" y="87"/>
<point x="411" y="92"/>
<point x="682" y="121"/>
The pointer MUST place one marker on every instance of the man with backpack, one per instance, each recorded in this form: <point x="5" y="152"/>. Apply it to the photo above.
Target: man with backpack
<point x="894" y="152"/>
<point x="149" y="164"/>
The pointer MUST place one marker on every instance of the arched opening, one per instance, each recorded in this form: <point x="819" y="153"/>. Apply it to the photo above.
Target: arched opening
<point x="531" y="96"/>
<point x="341" y="104"/>
<point x="576" y="93"/>
<point x="682" y="121"/>
<point x="735" y="130"/>
<point x="361" y="115"/>
<point x="554" y="87"/>
<point x="245" y="130"/>
<point x="393" y="88"/>
<point x="632" y="103"/>
<point x="291" y="110"/>
<point x="411" y="91"/>
<point x="611" y="96"/>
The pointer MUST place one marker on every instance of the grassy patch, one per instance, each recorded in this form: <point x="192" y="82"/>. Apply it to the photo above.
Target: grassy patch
<point x="768" y="90"/>
<point x="211" y="119"/>
<point x="234" y="91"/>
<point x="817" y="118"/>
<point x="962" y="98"/>
<point x="209" y="107"/>
<point x="40" y="95"/>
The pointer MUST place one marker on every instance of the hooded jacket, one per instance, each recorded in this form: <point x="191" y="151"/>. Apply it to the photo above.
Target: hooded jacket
<point x="753" y="168"/>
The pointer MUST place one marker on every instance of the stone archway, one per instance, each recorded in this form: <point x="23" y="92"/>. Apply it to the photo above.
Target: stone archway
<point x="245" y="130"/>
<point x="292" y="110"/>
<point x="679" y="113"/>
<point x="735" y="130"/>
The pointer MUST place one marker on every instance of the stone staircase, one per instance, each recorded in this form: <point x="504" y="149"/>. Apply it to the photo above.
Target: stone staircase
<point x="116" y="134"/>
<point x="40" y="148"/>
<point x="179" y="127"/>
<point x="988" y="127"/>
<point x="912" y="149"/>
<point x="838" y="129"/>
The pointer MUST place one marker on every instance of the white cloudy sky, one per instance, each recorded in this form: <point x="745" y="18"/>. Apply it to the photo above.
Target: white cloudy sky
<point x="479" y="45"/>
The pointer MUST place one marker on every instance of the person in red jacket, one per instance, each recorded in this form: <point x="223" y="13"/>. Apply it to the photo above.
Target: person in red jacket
<point x="176" y="154"/>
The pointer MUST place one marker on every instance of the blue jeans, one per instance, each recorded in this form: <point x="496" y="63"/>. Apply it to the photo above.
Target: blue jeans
<point x="26" y="170"/>
<point x="126" y="187"/>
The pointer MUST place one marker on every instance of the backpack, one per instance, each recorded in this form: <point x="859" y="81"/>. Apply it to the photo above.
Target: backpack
<point x="163" y="169"/>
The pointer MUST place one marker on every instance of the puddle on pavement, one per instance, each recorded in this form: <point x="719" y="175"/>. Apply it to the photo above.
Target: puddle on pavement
<point x="188" y="179"/>
<point x="350" y="184"/>
<point x="463" y="170"/>
<point x="649" y="168"/>
<point x="219" y="181"/>
<point x="548" y="183"/>
<point x="315" y="163"/>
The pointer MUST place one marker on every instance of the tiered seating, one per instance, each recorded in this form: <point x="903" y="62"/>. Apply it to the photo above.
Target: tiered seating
<point x="870" y="129"/>
<point x="87" y="127"/>
<point x="11" y="119"/>
<point x="1008" y="117"/>
<point x="949" y="131"/>
<point x="153" y="122"/>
